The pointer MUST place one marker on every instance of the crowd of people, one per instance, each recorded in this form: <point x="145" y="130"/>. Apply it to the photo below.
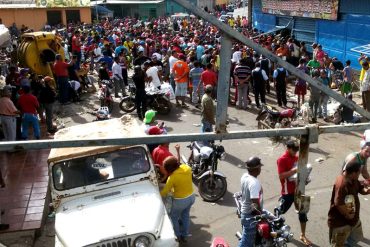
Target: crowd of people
<point x="186" y="54"/>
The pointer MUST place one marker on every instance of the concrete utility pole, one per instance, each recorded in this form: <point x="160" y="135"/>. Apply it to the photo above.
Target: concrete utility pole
<point x="250" y="12"/>
<point x="240" y="37"/>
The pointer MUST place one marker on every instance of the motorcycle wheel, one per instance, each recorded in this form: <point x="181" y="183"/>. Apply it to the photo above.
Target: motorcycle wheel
<point x="212" y="191"/>
<point x="162" y="106"/>
<point x="127" y="104"/>
<point x="196" y="172"/>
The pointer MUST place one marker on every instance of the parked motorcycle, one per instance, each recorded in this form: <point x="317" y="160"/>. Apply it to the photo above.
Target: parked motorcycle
<point x="157" y="100"/>
<point x="219" y="242"/>
<point x="271" y="229"/>
<point x="277" y="119"/>
<point x="203" y="160"/>
<point x="105" y="94"/>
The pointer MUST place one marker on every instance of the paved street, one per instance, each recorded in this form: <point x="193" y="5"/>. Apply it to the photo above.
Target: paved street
<point x="219" y="219"/>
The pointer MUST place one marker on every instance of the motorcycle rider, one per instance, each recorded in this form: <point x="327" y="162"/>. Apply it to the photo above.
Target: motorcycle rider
<point x="287" y="166"/>
<point x="252" y="200"/>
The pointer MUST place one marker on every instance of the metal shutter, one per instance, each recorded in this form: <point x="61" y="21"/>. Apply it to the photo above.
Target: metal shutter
<point x="304" y="29"/>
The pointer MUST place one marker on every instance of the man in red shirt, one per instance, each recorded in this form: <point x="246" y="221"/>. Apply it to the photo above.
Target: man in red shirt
<point x="287" y="166"/>
<point x="209" y="77"/>
<point x="61" y="72"/>
<point x="76" y="46"/>
<point x="28" y="105"/>
<point x="160" y="153"/>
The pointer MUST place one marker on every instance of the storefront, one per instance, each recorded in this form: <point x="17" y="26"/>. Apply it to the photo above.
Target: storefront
<point x="36" y="14"/>
<point x="338" y="31"/>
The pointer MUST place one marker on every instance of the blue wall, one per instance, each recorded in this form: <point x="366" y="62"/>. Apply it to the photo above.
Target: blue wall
<point x="173" y="7"/>
<point x="337" y="38"/>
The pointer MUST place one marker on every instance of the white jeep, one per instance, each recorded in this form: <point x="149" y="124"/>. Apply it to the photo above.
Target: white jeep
<point x="107" y="196"/>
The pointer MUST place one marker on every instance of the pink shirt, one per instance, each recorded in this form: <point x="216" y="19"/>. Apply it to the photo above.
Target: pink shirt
<point x="7" y="107"/>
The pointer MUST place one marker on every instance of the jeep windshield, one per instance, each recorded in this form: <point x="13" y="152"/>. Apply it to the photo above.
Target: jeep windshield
<point x="100" y="168"/>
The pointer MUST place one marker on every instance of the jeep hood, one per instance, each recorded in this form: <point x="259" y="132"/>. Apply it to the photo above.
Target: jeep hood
<point x="117" y="212"/>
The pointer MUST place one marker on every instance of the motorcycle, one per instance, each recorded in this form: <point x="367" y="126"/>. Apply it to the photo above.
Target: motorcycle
<point x="157" y="100"/>
<point x="271" y="229"/>
<point x="219" y="242"/>
<point x="277" y="119"/>
<point x="203" y="160"/>
<point x="102" y="114"/>
<point x="105" y="94"/>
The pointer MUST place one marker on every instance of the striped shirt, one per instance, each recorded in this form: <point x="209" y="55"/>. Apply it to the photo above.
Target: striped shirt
<point x="242" y="71"/>
<point x="195" y="74"/>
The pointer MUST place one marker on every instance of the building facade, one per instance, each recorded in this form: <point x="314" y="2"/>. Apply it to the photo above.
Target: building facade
<point x="338" y="37"/>
<point x="35" y="16"/>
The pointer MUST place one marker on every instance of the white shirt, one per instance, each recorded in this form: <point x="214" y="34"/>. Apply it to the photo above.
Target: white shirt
<point x="153" y="72"/>
<point x="117" y="71"/>
<point x="159" y="56"/>
<point x="97" y="52"/>
<point x="263" y="72"/>
<point x="251" y="189"/>
<point x="237" y="56"/>
<point x="172" y="60"/>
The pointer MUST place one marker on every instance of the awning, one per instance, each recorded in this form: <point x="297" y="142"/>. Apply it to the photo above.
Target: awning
<point x="101" y="10"/>
<point x="364" y="49"/>
<point x="18" y="6"/>
<point x="93" y="3"/>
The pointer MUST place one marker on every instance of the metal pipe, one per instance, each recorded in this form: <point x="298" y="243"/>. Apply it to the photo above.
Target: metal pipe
<point x="46" y="144"/>
<point x="223" y="84"/>
<point x="240" y="37"/>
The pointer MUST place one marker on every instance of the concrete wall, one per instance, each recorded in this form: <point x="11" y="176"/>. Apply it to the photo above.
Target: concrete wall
<point x="36" y="18"/>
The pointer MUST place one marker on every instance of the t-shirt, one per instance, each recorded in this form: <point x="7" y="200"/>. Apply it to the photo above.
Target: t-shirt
<point x="285" y="163"/>
<point x="7" y="107"/>
<point x="28" y="103"/>
<point x="160" y="153"/>
<point x="251" y="189"/>
<point x="237" y="55"/>
<point x="200" y="51"/>
<point x="61" y="69"/>
<point x="209" y="77"/>
<point x="75" y="47"/>
<point x="172" y="60"/>
<point x="179" y="69"/>
<point x="313" y="64"/>
<point x="344" y="193"/>
<point x="153" y="72"/>
<point x="242" y="71"/>
<point x="195" y="74"/>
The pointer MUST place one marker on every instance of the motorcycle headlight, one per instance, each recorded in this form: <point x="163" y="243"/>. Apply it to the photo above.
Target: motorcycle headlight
<point x="223" y="156"/>
<point x="142" y="241"/>
<point x="286" y="231"/>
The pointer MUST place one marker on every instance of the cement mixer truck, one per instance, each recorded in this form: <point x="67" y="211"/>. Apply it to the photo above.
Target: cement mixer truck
<point x="37" y="50"/>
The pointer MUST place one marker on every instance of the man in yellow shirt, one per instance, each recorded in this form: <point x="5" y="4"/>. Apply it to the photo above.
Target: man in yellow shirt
<point x="180" y="183"/>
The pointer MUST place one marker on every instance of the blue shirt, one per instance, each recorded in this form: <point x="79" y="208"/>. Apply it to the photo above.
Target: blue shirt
<point x="195" y="74"/>
<point x="108" y="60"/>
<point x="199" y="51"/>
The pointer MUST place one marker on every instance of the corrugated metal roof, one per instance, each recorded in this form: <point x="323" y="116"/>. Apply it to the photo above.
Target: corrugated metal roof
<point x="93" y="3"/>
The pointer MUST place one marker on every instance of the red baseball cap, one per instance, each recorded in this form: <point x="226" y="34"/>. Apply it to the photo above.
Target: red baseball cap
<point x="155" y="130"/>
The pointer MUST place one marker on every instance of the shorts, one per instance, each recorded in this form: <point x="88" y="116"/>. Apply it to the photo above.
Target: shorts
<point x="346" y="87"/>
<point x="181" y="89"/>
<point x="300" y="90"/>
<point x="286" y="202"/>
<point x="346" y="235"/>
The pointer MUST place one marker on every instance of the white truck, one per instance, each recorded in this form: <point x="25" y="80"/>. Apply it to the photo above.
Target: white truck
<point x="107" y="196"/>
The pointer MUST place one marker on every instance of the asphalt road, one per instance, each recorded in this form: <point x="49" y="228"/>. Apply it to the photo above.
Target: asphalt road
<point x="219" y="219"/>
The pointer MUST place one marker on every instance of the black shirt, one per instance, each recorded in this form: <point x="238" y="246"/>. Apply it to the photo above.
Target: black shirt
<point x="139" y="80"/>
<point x="47" y="95"/>
<point x="141" y="60"/>
<point x="103" y="73"/>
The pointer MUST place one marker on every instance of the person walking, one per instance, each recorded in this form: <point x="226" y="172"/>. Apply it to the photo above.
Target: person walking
<point x="140" y="95"/>
<point x="242" y="78"/>
<point x="300" y="85"/>
<point x="171" y="61"/>
<point x="28" y="105"/>
<point x="252" y="201"/>
<point x="181" y="76"/>
<point x="280" y="80"/>
<point x="287" y="166"/>
<point x="365" y="86"/>
<point x="117" y="78"/>
<point x="198" y="89"/>
<point x="8" y="114"/>
<point x="324" y="98"/>
<point x="207" y="110"/>
<point x="314" y="101"/>
<point x="47" y="99"/>
<point x="260" y="79"/>
<point x="344" y="222"/>
<point x="180" y="182"/>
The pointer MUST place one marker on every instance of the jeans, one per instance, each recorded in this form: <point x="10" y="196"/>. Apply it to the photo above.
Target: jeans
<point x="63" y="86"/>
<point x="206" y="127"/>
<point x="118" y="84"/>
<point x="181" y="211"/>
<point x="281" y="94"/>
<point x="243" y="95"/>
<point x="172" y="82"/>
<point x="314" y="105"/>
<point x="195" y="94"/>
<point x="249" y="231"/>
<point x="323" y="109"/>
<point x="9" y="124"/>
<point x="30" y="119"/>
<point x="49" y="115"/>
<point x="259" y="92"/>
<point x="140" y="102"/>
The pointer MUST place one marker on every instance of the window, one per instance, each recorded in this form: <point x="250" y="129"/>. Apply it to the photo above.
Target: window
<point x="99" y="168"/>
<point x="73" y="16"/>
<point x="54" y="17"/>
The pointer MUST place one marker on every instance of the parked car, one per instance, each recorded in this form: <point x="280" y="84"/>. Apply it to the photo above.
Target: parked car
<point x="107" y="196"/>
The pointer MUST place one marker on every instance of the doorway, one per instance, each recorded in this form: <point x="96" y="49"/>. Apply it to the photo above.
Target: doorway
<point x="54" y="17"/>
<point x="73" y="16"/>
